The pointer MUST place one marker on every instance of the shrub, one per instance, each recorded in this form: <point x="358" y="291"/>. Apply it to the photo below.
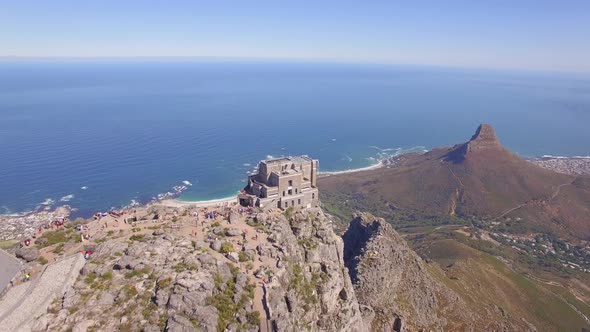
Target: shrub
<point x="289" y="212"/>
<point x="253" y="318"/>
<point x="164" y="283"/>
<point x="227" y="247"/>
<point x="59" y="249"/>
<point x="137" y="237"/>
<point x="108" y="275"/>
<point x="243" y="257"/>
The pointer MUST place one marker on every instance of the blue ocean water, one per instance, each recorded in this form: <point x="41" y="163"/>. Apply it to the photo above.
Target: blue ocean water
<point x="98" y="134"/>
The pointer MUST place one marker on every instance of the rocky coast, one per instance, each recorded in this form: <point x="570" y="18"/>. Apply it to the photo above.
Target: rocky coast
<point x="20" y="227"/>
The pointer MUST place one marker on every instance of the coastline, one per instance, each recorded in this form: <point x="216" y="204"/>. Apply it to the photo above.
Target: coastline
<point x="378" y="165"/>
<point x="175" y="202"/>
<point x="19" y="225"/>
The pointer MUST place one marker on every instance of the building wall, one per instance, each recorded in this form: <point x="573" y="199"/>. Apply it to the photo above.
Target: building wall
<point x="274" y="179"/>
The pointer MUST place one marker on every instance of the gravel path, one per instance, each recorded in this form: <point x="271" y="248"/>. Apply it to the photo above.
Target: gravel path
<point x="34" y="301"/>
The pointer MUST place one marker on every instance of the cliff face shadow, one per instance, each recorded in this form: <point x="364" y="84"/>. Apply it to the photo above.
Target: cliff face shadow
<point x="355" y="239"/>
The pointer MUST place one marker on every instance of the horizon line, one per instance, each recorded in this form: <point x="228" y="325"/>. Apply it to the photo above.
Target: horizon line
<point x="293" y="60"/>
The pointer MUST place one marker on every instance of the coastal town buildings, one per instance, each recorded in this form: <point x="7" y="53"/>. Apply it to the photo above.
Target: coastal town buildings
<point x="283" y="183"/>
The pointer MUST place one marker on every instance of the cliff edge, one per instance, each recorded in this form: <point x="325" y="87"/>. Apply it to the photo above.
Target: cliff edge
<point x="393" y="281"/>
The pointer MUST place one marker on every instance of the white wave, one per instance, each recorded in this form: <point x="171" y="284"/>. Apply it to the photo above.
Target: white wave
<point x="247" y="165"/>
<point x="83" y="187"/>
<point x="348" y="158"/>
<point x="548" y="156"/>
<point x="333" y="140"/>
<point x="66" y="198"/>
<point x="48" y="202"/>
<point x="384" y="149"/>
<point x="187" y="183"/>
<point x="268" y="156"/>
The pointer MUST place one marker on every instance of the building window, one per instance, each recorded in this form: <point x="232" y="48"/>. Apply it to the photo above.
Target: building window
<point x="299" y="201"/>
<point x="286" y="203"/>
<point x="290" y="183"/>
<point x="295" y="190"/>
<point x="292" y="203"/>
<point x="283" y="193"/>
<point x="312" y="195"/>
<point x="290" y="191"/>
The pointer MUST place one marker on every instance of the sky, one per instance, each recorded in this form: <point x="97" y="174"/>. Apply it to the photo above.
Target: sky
<point x="522" y="34"/>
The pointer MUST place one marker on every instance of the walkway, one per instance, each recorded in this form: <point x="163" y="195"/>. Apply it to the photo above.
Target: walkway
<point x="24" y="303"/>
<point x="9" y="267"/>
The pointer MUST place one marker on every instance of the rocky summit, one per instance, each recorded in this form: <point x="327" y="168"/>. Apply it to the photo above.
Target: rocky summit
<point x="392" y="282"/>
<point x="255" y="271"/>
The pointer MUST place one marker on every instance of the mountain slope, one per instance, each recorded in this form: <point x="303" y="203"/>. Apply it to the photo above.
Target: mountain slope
<point x="477" y="178"/>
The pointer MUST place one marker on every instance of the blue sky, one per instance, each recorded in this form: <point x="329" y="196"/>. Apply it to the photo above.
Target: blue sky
<point x="553" y="35"/>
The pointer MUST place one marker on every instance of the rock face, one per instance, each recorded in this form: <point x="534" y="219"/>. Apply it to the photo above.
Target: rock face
<point x="311" y="290"/>
<point x="484" y="138"/>
<point x="392" y="280"/>
<point x="483" y="141"/>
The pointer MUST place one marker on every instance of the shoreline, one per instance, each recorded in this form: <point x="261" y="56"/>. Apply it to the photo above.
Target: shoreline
<point x="173" y="199"/>
<point x="378" y="165"/>
<point x="175" y="202"/>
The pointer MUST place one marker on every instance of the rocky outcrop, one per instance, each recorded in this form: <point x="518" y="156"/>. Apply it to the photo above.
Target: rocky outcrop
<point x="312" y="289"/>
<point x="484" y="138"/>
<point x="28" y="254"/>
<point x="154" y="283"/>
<point x="391" y="280"/>
<point x="483" y="141"/>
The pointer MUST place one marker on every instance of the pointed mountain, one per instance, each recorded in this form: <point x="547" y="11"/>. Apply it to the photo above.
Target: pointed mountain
<point x="477" y="178"/>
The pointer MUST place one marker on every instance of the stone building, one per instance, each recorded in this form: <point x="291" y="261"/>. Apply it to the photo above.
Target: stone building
<point x="283" y="183"/>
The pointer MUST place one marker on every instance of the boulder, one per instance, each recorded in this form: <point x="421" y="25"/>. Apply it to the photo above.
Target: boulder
<point x="233" y="257"/>
<point x="207" y="318"/>
<point x="83" y="326"/>
<point x="28" y="254"/>
<point x="216" y="245"/>
<point x="217" y="230"/>
<point x="233" y="218"/>
<point x="233" y="232"/>
<point x="178" y="323"/>
<point x="261" y="218"/>
<point x="41" y="241"/>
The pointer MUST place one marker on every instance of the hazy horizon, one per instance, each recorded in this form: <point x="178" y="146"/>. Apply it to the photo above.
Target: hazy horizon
<point x="528" y="35"/>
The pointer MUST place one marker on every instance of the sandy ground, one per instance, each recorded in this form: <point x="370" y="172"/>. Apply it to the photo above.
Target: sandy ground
<point x="212" y="203"/>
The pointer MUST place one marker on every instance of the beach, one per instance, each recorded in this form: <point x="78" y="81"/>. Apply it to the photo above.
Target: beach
<point x="231" y="200"/>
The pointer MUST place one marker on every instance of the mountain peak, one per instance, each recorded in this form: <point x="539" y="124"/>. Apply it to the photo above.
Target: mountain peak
<point x="485" y="133"/>
<point x="483" y="139"/>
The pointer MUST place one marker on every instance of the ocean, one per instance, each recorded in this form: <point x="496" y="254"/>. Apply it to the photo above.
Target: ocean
<point x="97" y="134"/>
